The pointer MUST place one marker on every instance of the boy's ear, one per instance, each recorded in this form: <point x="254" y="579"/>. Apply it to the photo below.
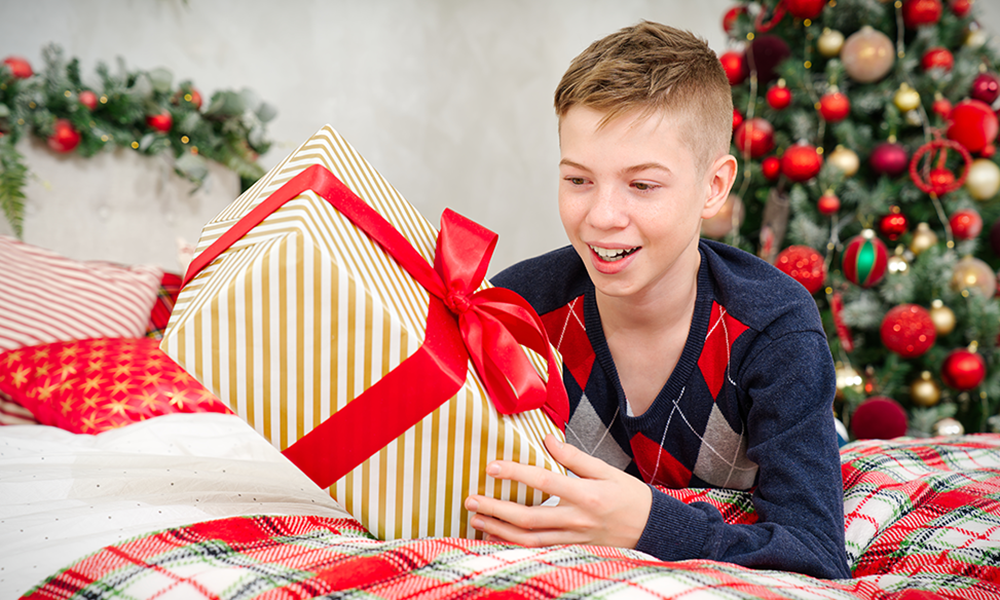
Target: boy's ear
<point x="720" y="177"/>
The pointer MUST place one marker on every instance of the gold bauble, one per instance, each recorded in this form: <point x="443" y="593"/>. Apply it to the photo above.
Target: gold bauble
<point x="924" y="392"/>
<point x="982" y="180"/>
<point x="868" y="55"/>
<point x="948" y="427"/>
<point x="729" y="217"/>
<point x="845" y="159"/>
<point x="897" y="263"/>
<point x="975" y="38"/>
<point x="943" y="318"/>
<point x="970" y="273"/>
<point x="906" y="98"/>
<point x="830" y="42"/>
<point x="848" y="378"/>
<point x="923" y="238"/>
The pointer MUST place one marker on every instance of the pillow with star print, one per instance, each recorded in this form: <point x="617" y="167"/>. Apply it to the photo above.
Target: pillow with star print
<point x="89" y="386"/>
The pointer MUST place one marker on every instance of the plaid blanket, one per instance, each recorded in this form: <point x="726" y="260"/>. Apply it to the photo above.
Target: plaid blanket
<point x="922" y="522"/>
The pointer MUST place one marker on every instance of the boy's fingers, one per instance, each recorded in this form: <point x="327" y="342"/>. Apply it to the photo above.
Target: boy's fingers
<point x="499" y="530"/>
<point x="517" y="515"/>
<point x="579" y="462"/>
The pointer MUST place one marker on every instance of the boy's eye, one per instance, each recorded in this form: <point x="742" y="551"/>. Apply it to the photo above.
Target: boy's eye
<point x="576" y="180"/>
<point x="642" y="186"/>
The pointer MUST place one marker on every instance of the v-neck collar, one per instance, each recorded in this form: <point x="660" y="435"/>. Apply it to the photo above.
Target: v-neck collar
<point x="688" y="361"/>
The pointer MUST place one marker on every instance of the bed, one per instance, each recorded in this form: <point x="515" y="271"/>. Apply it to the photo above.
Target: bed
<point x="120" y="477"/>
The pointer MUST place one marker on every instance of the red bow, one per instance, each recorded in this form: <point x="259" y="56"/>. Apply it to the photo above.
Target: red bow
<point x="487" y="327"/>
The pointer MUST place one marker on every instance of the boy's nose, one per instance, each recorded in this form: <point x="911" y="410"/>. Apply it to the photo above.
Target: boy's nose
<point x="608" y="209"/>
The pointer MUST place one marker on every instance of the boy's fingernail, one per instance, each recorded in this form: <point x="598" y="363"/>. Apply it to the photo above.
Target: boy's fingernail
<point x="471" y="505"/>
<point x="493" y="470"/>
<point x="477" y="523"/>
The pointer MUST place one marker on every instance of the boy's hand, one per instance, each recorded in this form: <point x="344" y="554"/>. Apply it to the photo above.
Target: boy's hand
<point x="605" y="506"/>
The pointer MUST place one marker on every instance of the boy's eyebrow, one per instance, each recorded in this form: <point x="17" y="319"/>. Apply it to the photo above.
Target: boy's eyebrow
<point x="626" y="170"/>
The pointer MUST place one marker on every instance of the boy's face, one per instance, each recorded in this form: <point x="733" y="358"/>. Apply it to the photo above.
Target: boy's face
<point x="632" y="198"/>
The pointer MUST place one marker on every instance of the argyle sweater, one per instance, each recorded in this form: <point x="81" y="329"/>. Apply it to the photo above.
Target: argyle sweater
<point x="748" y="406"/>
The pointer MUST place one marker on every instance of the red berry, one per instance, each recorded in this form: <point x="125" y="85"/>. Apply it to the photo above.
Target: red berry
<point x="161" y="122"/>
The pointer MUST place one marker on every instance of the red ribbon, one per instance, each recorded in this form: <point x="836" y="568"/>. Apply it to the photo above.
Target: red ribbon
<point x="487" y="327"/>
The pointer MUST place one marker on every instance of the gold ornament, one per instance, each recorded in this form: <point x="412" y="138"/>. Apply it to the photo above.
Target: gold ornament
<point x="973" y="274"/>
<point x="848" y="379"/>
<point x="924" y="392"/>
<point x="975" y="38"/>
<point x="948" y="427"/>
<point x="868" y="55"/>
<point x="830" y="42"/>
<point x="906" y="98"/>
<point x="943" y="318"/>
<point x="923" y="238"/>
<point x="983" y="179"/>
<point x="913" y="118"/>
<point x="730" y="216"/>
<point x="897" y="262"/>
<point x="845" y="159"/>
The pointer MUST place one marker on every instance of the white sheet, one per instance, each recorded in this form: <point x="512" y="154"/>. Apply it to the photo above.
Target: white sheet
<point x="63" y="495"/>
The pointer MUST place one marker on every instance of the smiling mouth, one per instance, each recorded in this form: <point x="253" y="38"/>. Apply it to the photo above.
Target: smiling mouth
<point x="613" y="254"/>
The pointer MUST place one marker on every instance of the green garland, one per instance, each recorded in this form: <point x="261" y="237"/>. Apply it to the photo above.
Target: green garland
<point x="230" y="129"/>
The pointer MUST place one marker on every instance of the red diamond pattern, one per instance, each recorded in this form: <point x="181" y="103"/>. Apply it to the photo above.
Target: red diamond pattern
<point x="568" y="334"/>
<point x="714" y="360"/>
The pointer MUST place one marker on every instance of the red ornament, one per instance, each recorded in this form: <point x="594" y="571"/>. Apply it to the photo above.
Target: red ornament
<point x="940" y="180"/>
<point x="779" y="96"/>
<point x="19" y="67"/>
<point x="973" y="124"/>
<point x="843" y="331"/>
<point x="963" y="370"/>
<point x="64" y="137"/>
<point x="190" y="95"/>
<point x="771" y="167"/>
<point x="865" y="259"/>
<point x="737" y="119"/>
<point x="828" y="204"/>
<point x="960" y="8"/>
<point x="917" y="13"/>
<point x="734" y="63"/>
<point x="729" y="19"/>
<point x="803" y="264"/>
<point x="801" y="162"/>
<point x="834" y="106"/>
<point x="754" y="137"/>
<point x="804" y="9"/>
<point x="893" y="224"/>
<point x="879" y="418"/>
<point x="985" y="87"/>
<point x="769" y="51"/>
<point x="966" y="224"/>
<point x="161" y="122"/>
<point x="908" y="330"/>
<point x="942" y="107"/>
<point x="88" y="99"/>
<point x="937" y="58"/>
<point x="889" y="158"/>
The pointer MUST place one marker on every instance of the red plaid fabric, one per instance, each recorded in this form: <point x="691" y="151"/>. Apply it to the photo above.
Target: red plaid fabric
<point x="166" y="298"/>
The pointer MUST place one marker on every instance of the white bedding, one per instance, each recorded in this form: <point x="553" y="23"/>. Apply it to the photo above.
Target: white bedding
<point x="64" y="495"/>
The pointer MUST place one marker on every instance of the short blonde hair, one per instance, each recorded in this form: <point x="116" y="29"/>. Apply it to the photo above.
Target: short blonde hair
<point x="652" y="68"/>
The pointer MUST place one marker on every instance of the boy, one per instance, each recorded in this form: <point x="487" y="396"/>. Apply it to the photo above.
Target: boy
<point x="688" y="363"/>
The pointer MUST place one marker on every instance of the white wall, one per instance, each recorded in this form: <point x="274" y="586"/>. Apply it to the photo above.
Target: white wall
<point x="449" y="99"/>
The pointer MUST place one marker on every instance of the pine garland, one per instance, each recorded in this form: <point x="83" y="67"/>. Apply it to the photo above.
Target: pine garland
<point x="230" y="129"/>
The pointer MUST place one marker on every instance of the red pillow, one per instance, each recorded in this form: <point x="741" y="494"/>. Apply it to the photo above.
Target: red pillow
<point x="89" y="386"/>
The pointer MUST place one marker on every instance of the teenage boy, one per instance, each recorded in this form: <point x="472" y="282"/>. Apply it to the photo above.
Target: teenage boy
<point x="688" y="363"/>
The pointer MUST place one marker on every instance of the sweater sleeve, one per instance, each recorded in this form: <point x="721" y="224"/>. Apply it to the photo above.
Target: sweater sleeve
<point x="790" y="384"/>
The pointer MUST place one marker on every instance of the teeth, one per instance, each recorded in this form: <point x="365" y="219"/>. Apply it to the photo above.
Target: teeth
<point x="612" y="255"/>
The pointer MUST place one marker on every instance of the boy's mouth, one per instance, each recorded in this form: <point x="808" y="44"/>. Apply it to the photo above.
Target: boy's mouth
<point x="612" y="254"/>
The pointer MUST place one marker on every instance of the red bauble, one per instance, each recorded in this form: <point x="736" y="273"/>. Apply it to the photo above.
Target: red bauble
<point x="985" y="87"/>
<point x="893" y="224"/>
<point x="908" y="330"/>
<point x="973" y="124"/>
<point x="803" y="264"/>
<point x="878" y="418"/>
<point x="19" y="67"/>
<point x="889" y="158"/>
<point x="161" y="122"/>
<point x="966" y="224"/>
<point x="960" y="8"/>
<point x="769" y="51"/>
<point x="737" y="119"/>
<point x="729" y="19"/>
<point x="804" y="9"/>
<point x="834" y="106"/>
<point x="754" y="137"/>
<point x="921" y="12"/>
<point x="963" y="370"/>
<point x="734" y="64"/>
<point x="88" y="99"/>
<point x="771" y="167"/>
<point x="941" y="178"/>
<point x="779" y="97"/>
<point x="942" y="107"/>
<point x="188" y="95"/>
<point x="64" y="137"/>
<point x="828" y="204"/>
<point x="937" y="58"/>
<point x="801" y="162"/>
<point x="865" y="259"/>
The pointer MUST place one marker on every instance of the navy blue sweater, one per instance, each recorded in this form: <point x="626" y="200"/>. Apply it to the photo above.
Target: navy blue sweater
<point x="748" y="406"/>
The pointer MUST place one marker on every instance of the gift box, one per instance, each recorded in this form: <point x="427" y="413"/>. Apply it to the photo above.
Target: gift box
<point x="364" y="344"/>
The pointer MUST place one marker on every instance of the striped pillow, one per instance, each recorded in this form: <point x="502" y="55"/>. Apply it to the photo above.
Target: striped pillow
<point x="46" y="297"/>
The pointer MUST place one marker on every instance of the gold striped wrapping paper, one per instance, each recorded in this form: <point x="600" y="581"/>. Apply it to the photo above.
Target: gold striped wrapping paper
<point x="305" y="312"/>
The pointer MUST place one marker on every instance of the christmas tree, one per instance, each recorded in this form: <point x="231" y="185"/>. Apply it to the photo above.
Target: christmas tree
<point x="866" y="131"/>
